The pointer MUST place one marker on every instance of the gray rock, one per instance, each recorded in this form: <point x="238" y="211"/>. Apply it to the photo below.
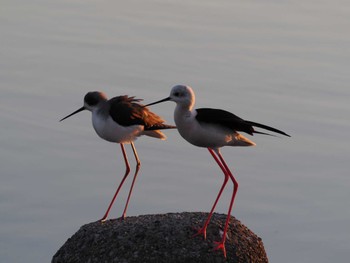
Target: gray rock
<point x="161" y="238"/>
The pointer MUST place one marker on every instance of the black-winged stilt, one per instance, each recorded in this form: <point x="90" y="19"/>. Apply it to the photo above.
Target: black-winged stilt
<point x="122" y="119"/>
<point x="213" y="129"/>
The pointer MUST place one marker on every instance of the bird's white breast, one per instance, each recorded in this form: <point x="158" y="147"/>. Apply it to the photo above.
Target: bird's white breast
<point x="111" y="131"/>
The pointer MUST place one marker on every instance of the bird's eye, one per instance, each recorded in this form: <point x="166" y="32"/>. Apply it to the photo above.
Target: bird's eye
<point x="177" y="94"/>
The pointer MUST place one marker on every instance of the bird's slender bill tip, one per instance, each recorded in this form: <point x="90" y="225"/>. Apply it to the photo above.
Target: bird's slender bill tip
<point x="79" y="110"/>
<point x="159" y="101"/>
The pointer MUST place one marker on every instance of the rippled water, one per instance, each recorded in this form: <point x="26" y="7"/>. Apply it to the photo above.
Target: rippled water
<point x="281" y="63"/>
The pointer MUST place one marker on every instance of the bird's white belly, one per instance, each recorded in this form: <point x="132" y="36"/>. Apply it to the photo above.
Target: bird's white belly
<point x="111" y="131"/>
<point x="203" y="135"/>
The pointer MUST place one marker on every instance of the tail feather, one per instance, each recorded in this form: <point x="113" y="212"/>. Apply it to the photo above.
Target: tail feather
<point x="266" y="128"/>
<point x="159" y="126"/>
<point x="154" y="130"/>
<point x="265" y="133"/>
<point x="155" y="134"/>
<point x="240" y="140"/>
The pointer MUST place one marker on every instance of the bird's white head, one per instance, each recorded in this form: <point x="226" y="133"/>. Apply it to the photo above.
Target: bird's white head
<point x="183" y="96"/>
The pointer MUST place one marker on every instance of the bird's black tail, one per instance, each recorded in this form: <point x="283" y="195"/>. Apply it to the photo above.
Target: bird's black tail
<point x="255" y="124"/>
<point x="159" y="126"/>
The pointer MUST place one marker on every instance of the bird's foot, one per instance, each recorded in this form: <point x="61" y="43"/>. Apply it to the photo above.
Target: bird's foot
<point x="103" y="219"/>
<point x="201" y="231"/>
<point x="220" y="245"/>
<point x="122" y="218"/>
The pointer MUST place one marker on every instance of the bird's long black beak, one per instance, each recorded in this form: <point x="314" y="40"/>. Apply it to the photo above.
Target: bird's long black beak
<point x="159" y="101"/>
<point x="81" y="109"/>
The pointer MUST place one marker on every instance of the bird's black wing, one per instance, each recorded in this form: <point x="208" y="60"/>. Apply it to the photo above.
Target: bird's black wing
<point x="231" y="121"/>
<point x="223" y="118"/>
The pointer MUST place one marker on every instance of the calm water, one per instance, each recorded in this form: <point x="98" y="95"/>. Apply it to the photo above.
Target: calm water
<point x="282" y="63"/>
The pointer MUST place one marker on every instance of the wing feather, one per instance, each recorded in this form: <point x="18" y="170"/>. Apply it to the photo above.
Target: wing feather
<point x="128" y="111"/>
<point x="231" y="121"/>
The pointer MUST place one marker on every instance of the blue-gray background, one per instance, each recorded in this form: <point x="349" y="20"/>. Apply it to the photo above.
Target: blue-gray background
<point x="282" y="63"/>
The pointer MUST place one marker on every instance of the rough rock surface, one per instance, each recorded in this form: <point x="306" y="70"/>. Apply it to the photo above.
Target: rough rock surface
<point x="161" y="238"/>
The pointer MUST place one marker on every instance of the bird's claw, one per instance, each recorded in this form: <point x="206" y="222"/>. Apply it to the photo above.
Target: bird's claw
<point x="104" y="219"/>
<point x="122" y="218"/>
<point x="201" y="231"/>
<point x="220" y="245"/>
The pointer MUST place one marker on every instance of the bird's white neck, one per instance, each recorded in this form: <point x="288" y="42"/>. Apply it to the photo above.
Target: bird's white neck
<point x="182" y="113"/>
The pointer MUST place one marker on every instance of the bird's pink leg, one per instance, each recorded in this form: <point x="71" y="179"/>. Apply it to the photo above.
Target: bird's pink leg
<point x="203" y="230"/>
<point x="127" y="171"/>
<point x="221" y="244"/>
<point x="138" y="164"/>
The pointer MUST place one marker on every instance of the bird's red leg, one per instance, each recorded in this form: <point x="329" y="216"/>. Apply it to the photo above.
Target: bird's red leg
<point x="221" y="244"/>
<point x="138" y="164"/>
<point x="127" y="171"/>
<point x="203" y="230"/>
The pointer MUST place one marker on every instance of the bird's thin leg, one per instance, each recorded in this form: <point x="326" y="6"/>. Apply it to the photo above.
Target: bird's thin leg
<point x="127" y="171"/>
<point x="138" y="165"/>
<point x="221" y="244"/>
<point x="203" y="230"/>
